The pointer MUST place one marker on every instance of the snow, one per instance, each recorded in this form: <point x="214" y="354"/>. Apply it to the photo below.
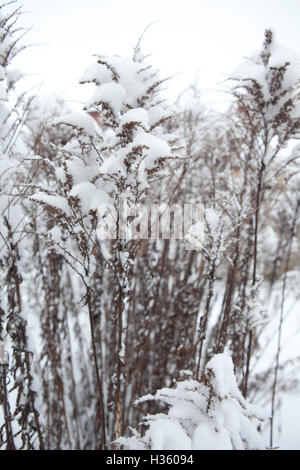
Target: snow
<point x="89" y="197"/>
<point x="2" y="73"/>
<point x="203" y="416"/>
<point x="97" y="73"/>
<point x="134" y="77"/>
<point x="223" y="379"/>
<point x="195" y="236"/>
<point x="57" y="202"/>
<point x="156" y="114"/>
<point x="254" y="68"/>
<point x="130" y="78"/>
<point x="111" y="93"/>
<point x="79" y="119"/>
<point x="250" y="69"/>
<point x="264" y="68"/>
<point x="55" y="233"/>
<point x="125" y="87"/>
<point x="113" y="164"/>
<point x="212" y="218"/>
<point x="157" y="147"/>
<point x="13" y="75"/>
<point x="77" y="170"/>
<point x="290" y="422"/>
<point x="138" y="115"/>
<point x="3" y="94"/>
<point x="84" y="192"/>
<point x="100" y="198"/>
<point x="208" y="437"/>
<point x="165" y="434"/>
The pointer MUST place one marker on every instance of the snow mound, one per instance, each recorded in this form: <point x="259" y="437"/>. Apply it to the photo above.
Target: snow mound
<point x="210" y="415"/>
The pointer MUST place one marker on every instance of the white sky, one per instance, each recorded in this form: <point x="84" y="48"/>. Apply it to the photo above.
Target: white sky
<point x="211" y="36"/>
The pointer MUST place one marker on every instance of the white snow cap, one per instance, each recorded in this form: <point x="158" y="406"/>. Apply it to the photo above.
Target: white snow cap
<point x="89" y="196"/>
<point x="258" y="66"/>
<point x="138" y="115"/>
<point x="79" y="119"/>
<point x="135" y="78"/>
<point x="111" y="93"/>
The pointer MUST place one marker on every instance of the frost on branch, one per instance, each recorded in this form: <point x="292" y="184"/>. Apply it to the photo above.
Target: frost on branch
<point x="207" y="415"/>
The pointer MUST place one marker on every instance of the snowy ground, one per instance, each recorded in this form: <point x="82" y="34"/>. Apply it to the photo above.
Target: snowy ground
<point x="290" y="422"/>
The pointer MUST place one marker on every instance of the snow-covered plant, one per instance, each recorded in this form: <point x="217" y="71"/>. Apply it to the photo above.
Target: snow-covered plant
<point x="267" y="91"/>
<point x="115" y="319"/>
<point x="43" y="111"/>
<point x="21" y="428"/>
<point x="268" y="113"/>
<point x="207" y="415"/>
<point x="120" y="160"/>
<point x="135" y="150"/>
<point x="242" y="170"/>
<point x="114" y="157"/>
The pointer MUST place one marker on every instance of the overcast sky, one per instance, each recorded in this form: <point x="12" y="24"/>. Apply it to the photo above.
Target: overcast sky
<point x="208" y="36"/>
